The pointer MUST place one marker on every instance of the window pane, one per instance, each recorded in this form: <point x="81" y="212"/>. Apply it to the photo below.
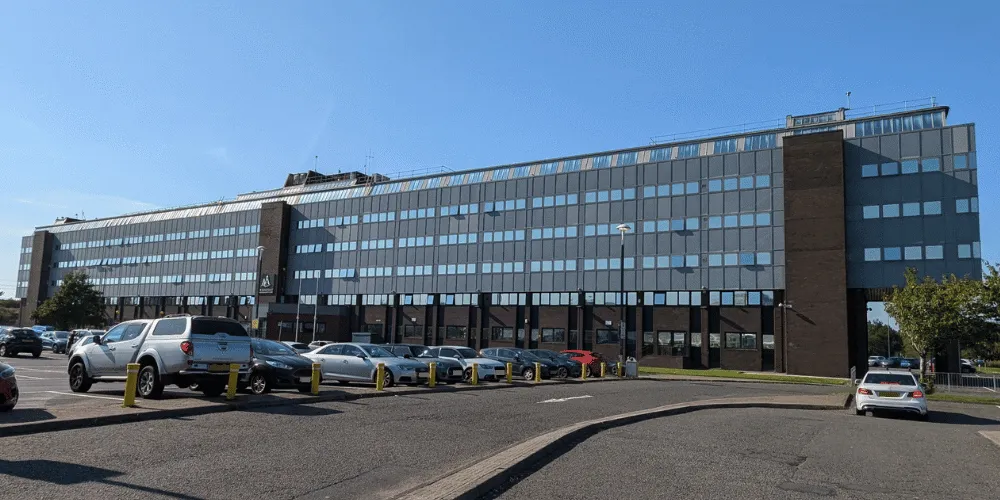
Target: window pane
<point x="891" y="253"/>
<point x="746" y="182"/>
<point x="715" y="185"/>
<point x="931" y="164"/>
<point x="962" y="206"/>
<point x="890" y="168"/>
<point x="934" y="252"/>
<point x="891" y="210"/>
<point x="871" y="212"/>
<point x="869" y="170"/>
<point x="764" y="219"/>
<point x="714" y="222"/>
<point x="965" y="251"/>
<point x="873" y="254"/>
<point x="714" y="260"/>
<point x="729" y="184"/>
<point x="911" y="209"/>
<point x="910" y="166"/>
<point x="763" y="181"/>
<point x="746" y="220"/>
<point x="764" y="258"/>
<point x="961" y="162"/>
<point x="932" y="208"/>
<point x="912" y="253"/>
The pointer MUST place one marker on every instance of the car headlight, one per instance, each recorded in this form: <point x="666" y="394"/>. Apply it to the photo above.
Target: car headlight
<point x="8" y="373"/>
<point x="278" y="364"/>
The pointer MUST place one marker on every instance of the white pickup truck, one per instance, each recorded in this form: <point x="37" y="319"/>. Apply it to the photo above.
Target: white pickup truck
<point x="180" y="350"/>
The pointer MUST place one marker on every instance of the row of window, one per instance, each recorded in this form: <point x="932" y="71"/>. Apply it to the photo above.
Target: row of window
<point x="457" y="239"/>
<point x="24" y="267"/>
<point x="26" y="250"/>
<point x="378" y="217"/>
<point x="609" y="195"/>
<point x="558" y="200"/>
<point x="508" y="235"/>
<point x="605" y="229"/>
<point x="502" y="267"/>
<point x="892" y="210"/>
<point x="902" y="167"/>
<point x="416" y="241"/>
<point x="742" y="220"/>
<point x="492" y="207"/>
<point x="739" y="259"/>
<point x="929" y="252"/>
<point x="546" y="233"/>
<point x="552" y="265"/>
<point x="155" y="238"/>
<point x="342" y="246"/>
<point x="313" y="248"/>
<point x="898" y="124"/>
<point x="611" y="263"/>
<point x="455" y="210"/>
<point x="376" y="244"/>
<point x="735" y="183"/>
<point x="375" y="272"/>
<point x="309" y="223"/>
<point x="456" y="269"/>
<point x="416" y="213"/>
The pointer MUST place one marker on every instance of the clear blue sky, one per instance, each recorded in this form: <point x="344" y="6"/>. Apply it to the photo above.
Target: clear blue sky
<point x="111" y="107"/>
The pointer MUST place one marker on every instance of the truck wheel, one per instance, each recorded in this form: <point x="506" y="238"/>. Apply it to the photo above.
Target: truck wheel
<point x="149" y="385"/>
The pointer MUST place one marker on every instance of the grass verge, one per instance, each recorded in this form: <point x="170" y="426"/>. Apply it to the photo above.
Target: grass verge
<point x="719" y="373"/>
<point x="964" y="398"/>
<point x="989" y="369"/>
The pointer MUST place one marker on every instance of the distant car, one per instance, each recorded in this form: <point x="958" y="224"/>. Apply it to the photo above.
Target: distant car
<point x="892" y="391"/>
<point x="80" y="343"/>
<point x="487" y="369"/>
<point x="914" y="363"/>
<point x="895" y="362"/>
<point x="875" y="360"/>
<point x="8" y="387"/>
<point x="59" y="342"/>
<point x="447" y="369"/>
<point x="14" y="341"/>
<point x="47" y="340"/>
<point x="355" y="362"/>
<point x="522" y="362"/>
<point x="968" y="367"/>
<point x="77" y="336"/>
<point x="276" y="365"/>
<point x="592" y="360"/>
<point x="566" y="366"/>
<point x="319" y="343"/>
<point x="299" y="347"/>
<point x="43" y="328"/>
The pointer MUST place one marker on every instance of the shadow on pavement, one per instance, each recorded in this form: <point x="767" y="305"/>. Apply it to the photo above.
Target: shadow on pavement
<point x="65" y="474"/>
<point x="947" y="417"/>
<point x="21" y="416"/>
<point x="296" y="410"/>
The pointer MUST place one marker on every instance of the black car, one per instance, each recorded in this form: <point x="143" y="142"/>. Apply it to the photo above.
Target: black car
<point x="8" y="387"/>
<point x="522" y="362"/>
<point x="14" y="341"/>
<point x="275" y="366"/>
<point x="566" y="366"/>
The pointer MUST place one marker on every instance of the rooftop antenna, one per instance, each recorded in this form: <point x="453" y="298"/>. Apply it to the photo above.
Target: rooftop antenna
<point x="315" y="163"/>
<point x="368" y="159"/>
<point x="848" y="99"/>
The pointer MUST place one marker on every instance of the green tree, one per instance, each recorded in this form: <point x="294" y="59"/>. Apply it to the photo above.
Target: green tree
<point x="931" y="313"/>
<point x="76" y="304"/>
<point x="879" y="335"/>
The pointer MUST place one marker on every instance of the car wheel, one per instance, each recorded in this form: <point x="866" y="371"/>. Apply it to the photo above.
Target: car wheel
<point x="78" y="379"/>
<point x="149" y="385"/>
<point x="528" y="374"/>
<point x="36" y="354"/>
<point x="3" y="351"/>
<point x="562" y="373"/>
<point x="212" y="389"/>
<point x="467" y="375"/>
<point x="387" y="379"/>
<point x="586" y="371"/>
<point x="259" y="383"/>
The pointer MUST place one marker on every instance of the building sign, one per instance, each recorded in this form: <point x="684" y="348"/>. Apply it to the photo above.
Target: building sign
<point x="266" y="285"/>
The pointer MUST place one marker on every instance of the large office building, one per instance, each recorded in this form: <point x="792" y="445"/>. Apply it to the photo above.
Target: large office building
<point x="751" y="251"/>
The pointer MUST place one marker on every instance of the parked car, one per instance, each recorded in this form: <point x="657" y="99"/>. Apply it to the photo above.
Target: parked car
<point x="968" y="367"/>
<point x="14" y="341"/>
<point x="47" y="340"/>
<point x="182" y="351"/>
<point x="566" y="366"/>
<point x="356" y="362"/>
<point x="77" y="336"/>
<point x="592" y="360"/>
<point x="59" y="342"/>
<point x="277" y="366"/>
<point x="488" y="369"/>
<point x="895" y="362"/>
<point x="319" y="343"/>
<point x="447" y="370"/>
<point x="892" y="391"/>
<point x="875" y="360"/>
<point x="299" y="347"/>
<point x="43" y="328"/>
<point x="522" y="362"/>
<point x="82" y="341"/>
<point x="8" y="387"/>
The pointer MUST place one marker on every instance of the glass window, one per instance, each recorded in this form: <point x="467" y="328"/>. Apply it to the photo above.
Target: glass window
<point x="932" y="208"/>
<point x="714" y="222"/>
<point x="690" y="261"/>
<point x="691" y="224"/>
<point x="714" y="185"/>
<point x="677" y="188"/>
<point x="628" y="193"/>
<point x="871" y="211"/>
<point x="746" y="258"/>
<point x="961" y="162"/>
<point x="764" y="219"/>
<point x="746" y="220"/>
<point x="891" y="168"/>
<point x="746" y="182"/>
<point x="677" y="225"/>
<point x="891" y="210"/>
<point x="869" y="170"/>
<point x="691" y="188"/>
<point x="659" y="154"/>
<point x="663" y="261"/>
<point x="714" y="259"/>
<point x="934" y="252"/>
<point x="965" y="251"/>
<point x="663" y="225"/>
<point x="764" y="258"/>
<point x="588" y="264"/>
<point x="931" y="164"/>
<point x="687" y="151"/>
<point x="910" y="166"/>
<point x="731" y="221"/>
<point x="873" y="254"/>
<point x="602" y="196"/>
<point x="649" y="191"/>
<point x="648" y="262"/>
<point x="730" y="184"/>
<point x="676" y="261"/>
<point x="891" y="253"/>
<point x="730" y="259"/>
<point x="763" y="181"/>
<point x="912" y="253"/>
<point x="962" y="206"/>
<point x="590" y="197"/>
<point x="974" y="204"/>
<point x="732" y="340"/>
<point x="911" y="209"/>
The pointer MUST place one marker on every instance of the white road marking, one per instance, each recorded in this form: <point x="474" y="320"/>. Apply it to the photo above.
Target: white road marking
<point x="562" y="400"/>
<point x="27" y="377"/>
<point x="20" y="369"/>
<point x="85" y="395"/>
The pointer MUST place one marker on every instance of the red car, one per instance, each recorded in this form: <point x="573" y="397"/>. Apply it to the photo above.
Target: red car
<point x="591" y="360"/>
<point x="8" y="388"/>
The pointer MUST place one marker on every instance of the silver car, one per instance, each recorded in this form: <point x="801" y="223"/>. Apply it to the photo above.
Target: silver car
<point x="446" y="369"/>
<point x="355" y="362"/>
<point x="890" y="390"/>
<point x="488" y="369"/>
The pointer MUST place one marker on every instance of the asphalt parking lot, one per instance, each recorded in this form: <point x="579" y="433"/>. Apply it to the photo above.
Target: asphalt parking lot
<point x="765" y="453"/>
<point x="372" y="448"/>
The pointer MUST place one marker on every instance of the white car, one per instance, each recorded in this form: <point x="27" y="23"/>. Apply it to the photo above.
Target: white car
<point x="488" y="369"/>
<point x="299" y="346"/>
<point x="890" y="390"/>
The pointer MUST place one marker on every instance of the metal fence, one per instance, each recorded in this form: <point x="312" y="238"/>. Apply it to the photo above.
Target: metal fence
<point x="965" y="382"/>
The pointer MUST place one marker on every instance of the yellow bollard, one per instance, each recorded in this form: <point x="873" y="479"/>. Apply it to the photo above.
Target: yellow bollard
<point x="475" y="374"/>
<point x="510" y="373"/>
<point x="315" y="379"/>
<point x="132" y="376"/>
<point x="604" y="368"/>
<point x="538" y="372"/>
<point x="583" y="371"/>
<point x="380" y="377"/>
<point x="621" y="372"/>
<point x="432" y="377"/>
<point x="234" y="375"/>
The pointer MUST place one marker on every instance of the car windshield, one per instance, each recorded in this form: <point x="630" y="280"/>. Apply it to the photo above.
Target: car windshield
<point x="299" y="346"/>
<point x="532" y="356"/>
<point x="62" y="335"/>
<point x="890" y="379"/>
<point x="543" y="354"/>
<point x="377" y="352"/>
<point x="24" y="334"/>
<point x="272" y="348"/>
<point x="422" y="352"/>
<point x="467" y="353"/>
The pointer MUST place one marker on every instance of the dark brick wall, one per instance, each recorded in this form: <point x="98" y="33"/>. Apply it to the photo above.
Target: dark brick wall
<point x="38" y="275"/>
<point x="502" y="316"/>
<point x="275" y="223"/>
<point x="455" y="316"/>
<point x="815" y="254"/>
<point x="740" y="319"/>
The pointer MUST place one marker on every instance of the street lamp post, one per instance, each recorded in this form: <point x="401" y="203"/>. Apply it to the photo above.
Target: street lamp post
<point x="315" y="307"/>
<point x="622" y="330"/>
<point x="785" y="306"/>
<point x="298" y="307"/>
<point x="256" y="289"/>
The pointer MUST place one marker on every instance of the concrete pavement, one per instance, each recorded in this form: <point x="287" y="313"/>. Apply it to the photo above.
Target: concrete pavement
<point x="765" y="454"/>
<point x="376" y="448"/>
